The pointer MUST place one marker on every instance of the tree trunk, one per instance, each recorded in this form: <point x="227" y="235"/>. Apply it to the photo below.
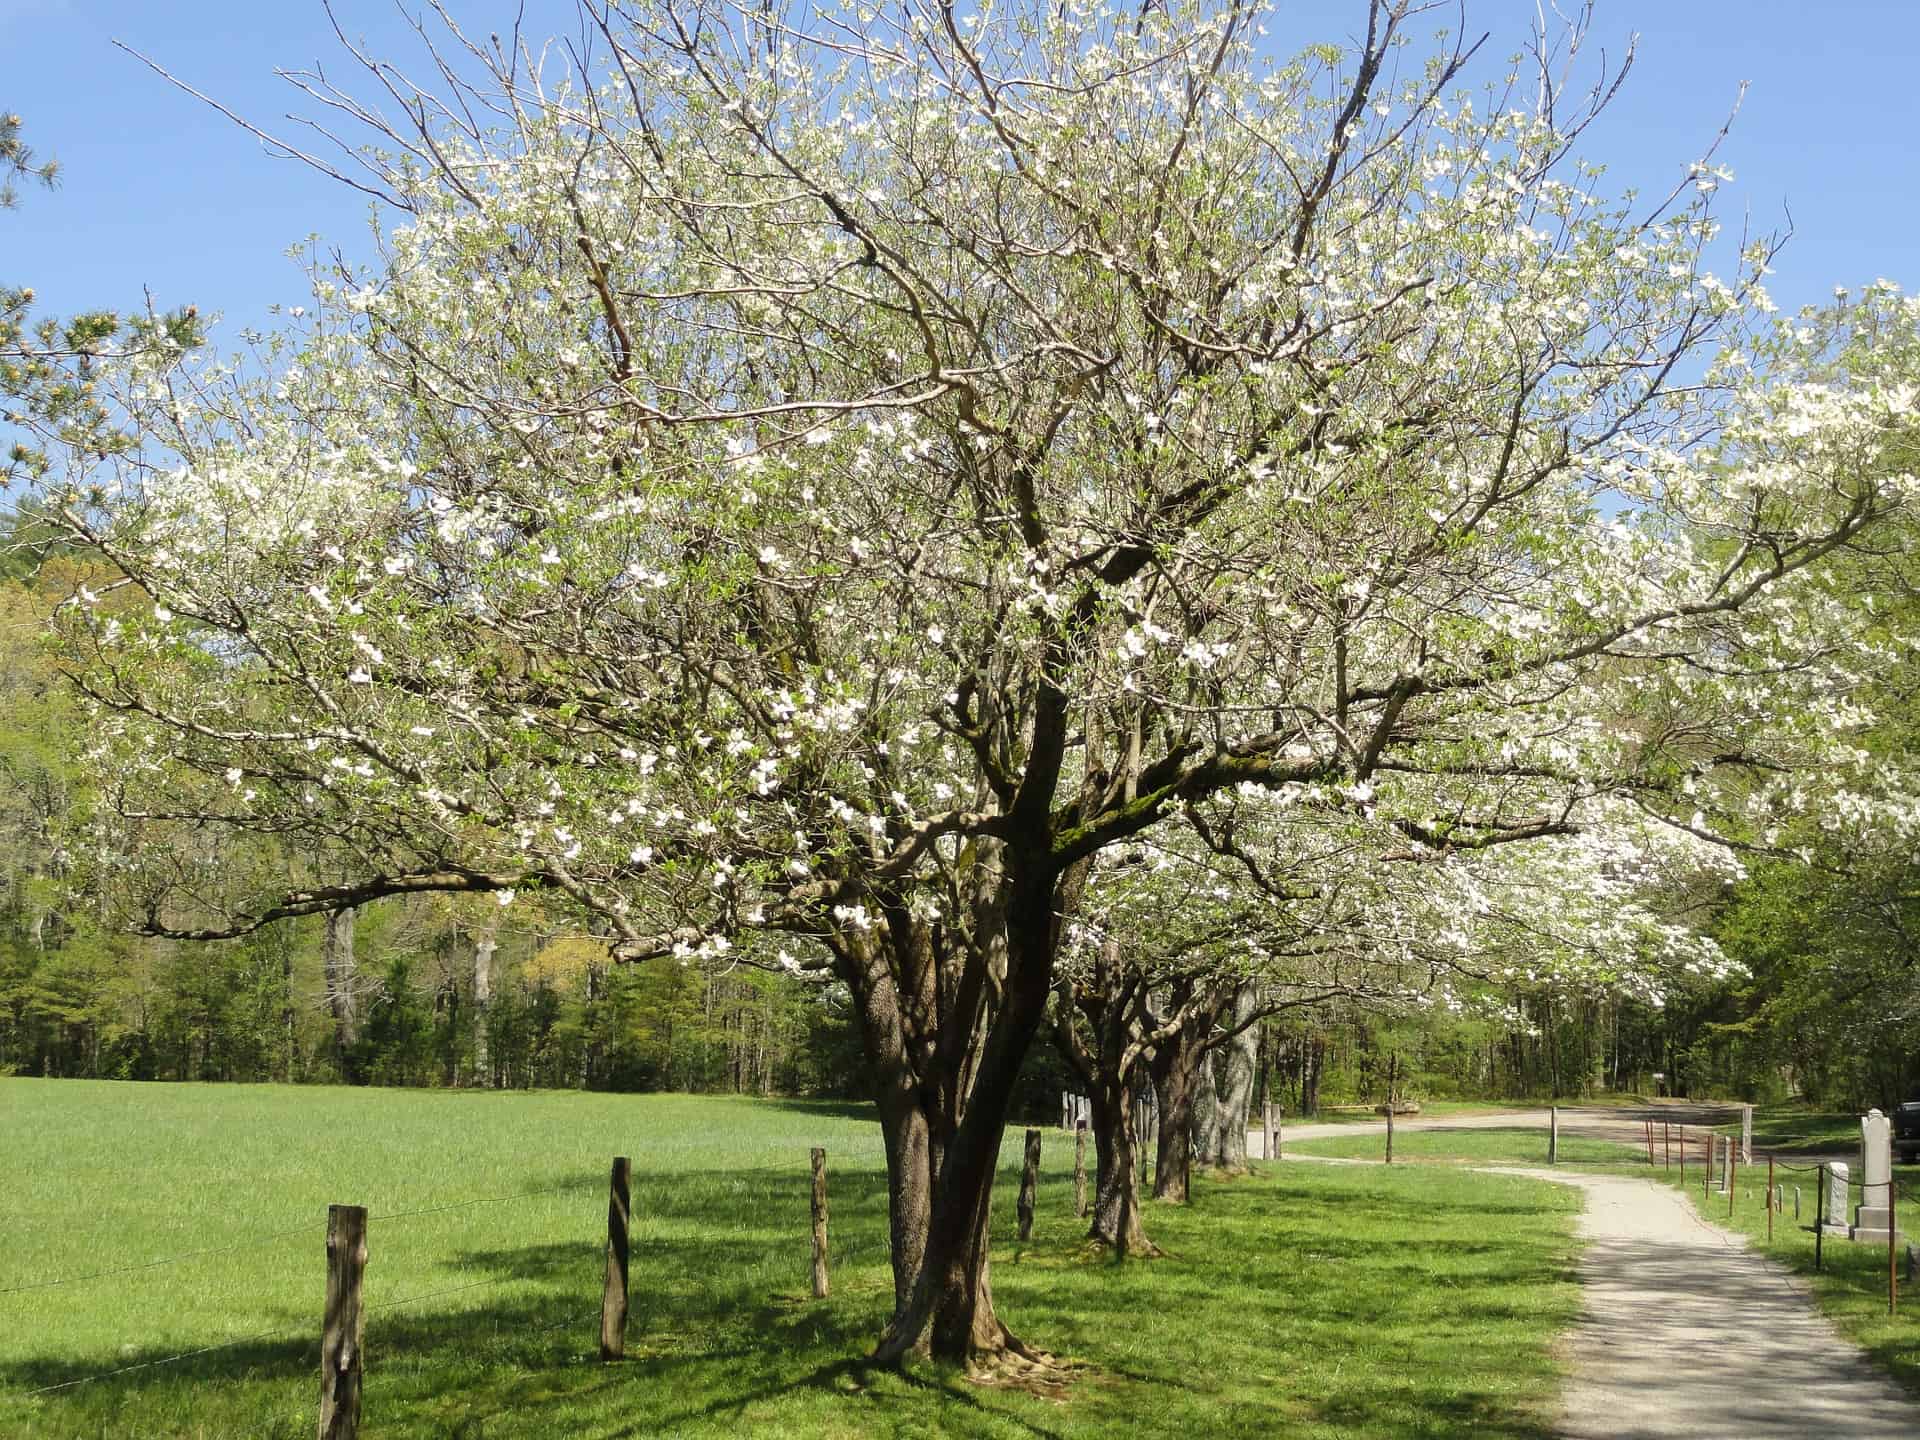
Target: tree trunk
<point x="588" y="1016"/>
<point x="1230" y="1149"/>
<point x="1116" y="1196"/>
<point x="948" y="1018"/>
<point x="288" y="1020"/>
<point x="1310" y="1082"/>
<point x="1106" y="1055"/>
<point x="939" y="1208"/>
<point x="1206" y="1109"/>
<point x="484" y="944"/>
<point x="341" y="979"/>
<point x="1176" y="1079"/>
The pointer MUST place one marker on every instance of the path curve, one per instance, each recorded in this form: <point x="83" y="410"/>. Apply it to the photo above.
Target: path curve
<point x="1686" y="1333"/>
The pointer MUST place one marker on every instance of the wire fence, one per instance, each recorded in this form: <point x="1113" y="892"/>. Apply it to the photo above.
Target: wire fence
<point x="164" y="1261"/>
<point x="1870" y="1226"/>
<point x="309" y="1331"/>
<point x="310" y="1228"/>
<point x="282" y="1332"/>
<point x="1727" y="1166"/>
<point x="1661" y="1148"/>
<point x="348" y="1259"/>
<point x="592" y="1198"/>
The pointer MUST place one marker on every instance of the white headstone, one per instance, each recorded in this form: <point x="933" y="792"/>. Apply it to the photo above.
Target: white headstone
<point x="1876" y="1156"/>
<point x="1834" y="1212"/>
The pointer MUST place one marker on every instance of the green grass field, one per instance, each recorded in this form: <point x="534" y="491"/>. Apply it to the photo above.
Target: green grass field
<point x="1310" y="1301"/>
<point x="1500" y="1145"/>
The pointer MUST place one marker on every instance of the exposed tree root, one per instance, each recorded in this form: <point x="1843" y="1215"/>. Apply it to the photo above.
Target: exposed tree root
<point x="1016" y="1365"/>
<point x="1010" y="1363"/>
<point x="1139" y="1249"/>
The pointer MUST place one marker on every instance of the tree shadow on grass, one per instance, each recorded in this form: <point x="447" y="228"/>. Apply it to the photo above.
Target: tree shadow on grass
<point x="855" y="1110"/>
<point x="1270" y="1317"/>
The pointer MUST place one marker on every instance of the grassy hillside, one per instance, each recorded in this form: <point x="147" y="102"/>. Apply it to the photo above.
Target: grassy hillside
<point x="1323" y="1301"/>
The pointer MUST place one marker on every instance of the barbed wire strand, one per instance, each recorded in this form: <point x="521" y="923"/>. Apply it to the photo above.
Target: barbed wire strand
<point x="186" y="1255"/>
<point x="469" y="1204"/>
<point x="283" y="1331"/>
<point x="292" y="1330"/>
<point x="181" y="1258"/>
<point x="436" y="1294"/>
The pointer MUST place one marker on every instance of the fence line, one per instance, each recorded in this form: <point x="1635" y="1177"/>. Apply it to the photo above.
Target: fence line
<point x="181" y="1258"/>
<point x="469" y="1204"/>
<point x="436" y="1294"/>
<point x="1894" y="1184"/>
<point x="269" y="1239"/>
<point x="285" y="1332"/>
<point x="279" y="1333"/>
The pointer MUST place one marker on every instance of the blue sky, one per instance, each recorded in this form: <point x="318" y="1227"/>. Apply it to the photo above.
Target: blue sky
<point x="161" y="192"/>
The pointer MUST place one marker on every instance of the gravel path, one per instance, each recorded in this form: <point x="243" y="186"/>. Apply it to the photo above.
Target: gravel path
<point x="1687" y="1332"/>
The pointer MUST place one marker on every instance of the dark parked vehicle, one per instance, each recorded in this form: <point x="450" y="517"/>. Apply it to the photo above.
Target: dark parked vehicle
<point x="1906" y="1130"/>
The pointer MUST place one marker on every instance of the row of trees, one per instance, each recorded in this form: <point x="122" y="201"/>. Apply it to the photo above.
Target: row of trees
<point x="1050" y="521"/>
<point x="110" y="1007"/>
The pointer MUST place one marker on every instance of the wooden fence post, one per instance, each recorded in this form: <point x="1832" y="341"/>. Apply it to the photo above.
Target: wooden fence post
<point x="1819" y="1216"/>
<point x="1733" y="1175"/>
<point x="1080" y="1168"/>
<point x="1666" y="1140"/>
<point x="1393" y="1085"/>
<point x="613" y="1296"/>
<point x="1267" y="1151"/>
<point x="1683" y="1157"/>
<point x="1553" y="1135"/>
<point x="1891" y="1231"/>
<point x="1029" y="1184"/>
<point x="1649" y="1143"/>
<point x="819" y="1223"/>
<point x="345" y="1326"/>
<point x="1769" y="1199"/>
<point x="1279" y="1135"/>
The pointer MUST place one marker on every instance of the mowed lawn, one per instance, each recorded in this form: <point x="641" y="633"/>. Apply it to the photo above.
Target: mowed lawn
<point x="1305" y="1301"/>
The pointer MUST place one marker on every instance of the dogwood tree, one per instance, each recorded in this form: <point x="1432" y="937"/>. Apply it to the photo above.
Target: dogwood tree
<point x="1178" y="949"/>
<point x="837" y="473"/>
